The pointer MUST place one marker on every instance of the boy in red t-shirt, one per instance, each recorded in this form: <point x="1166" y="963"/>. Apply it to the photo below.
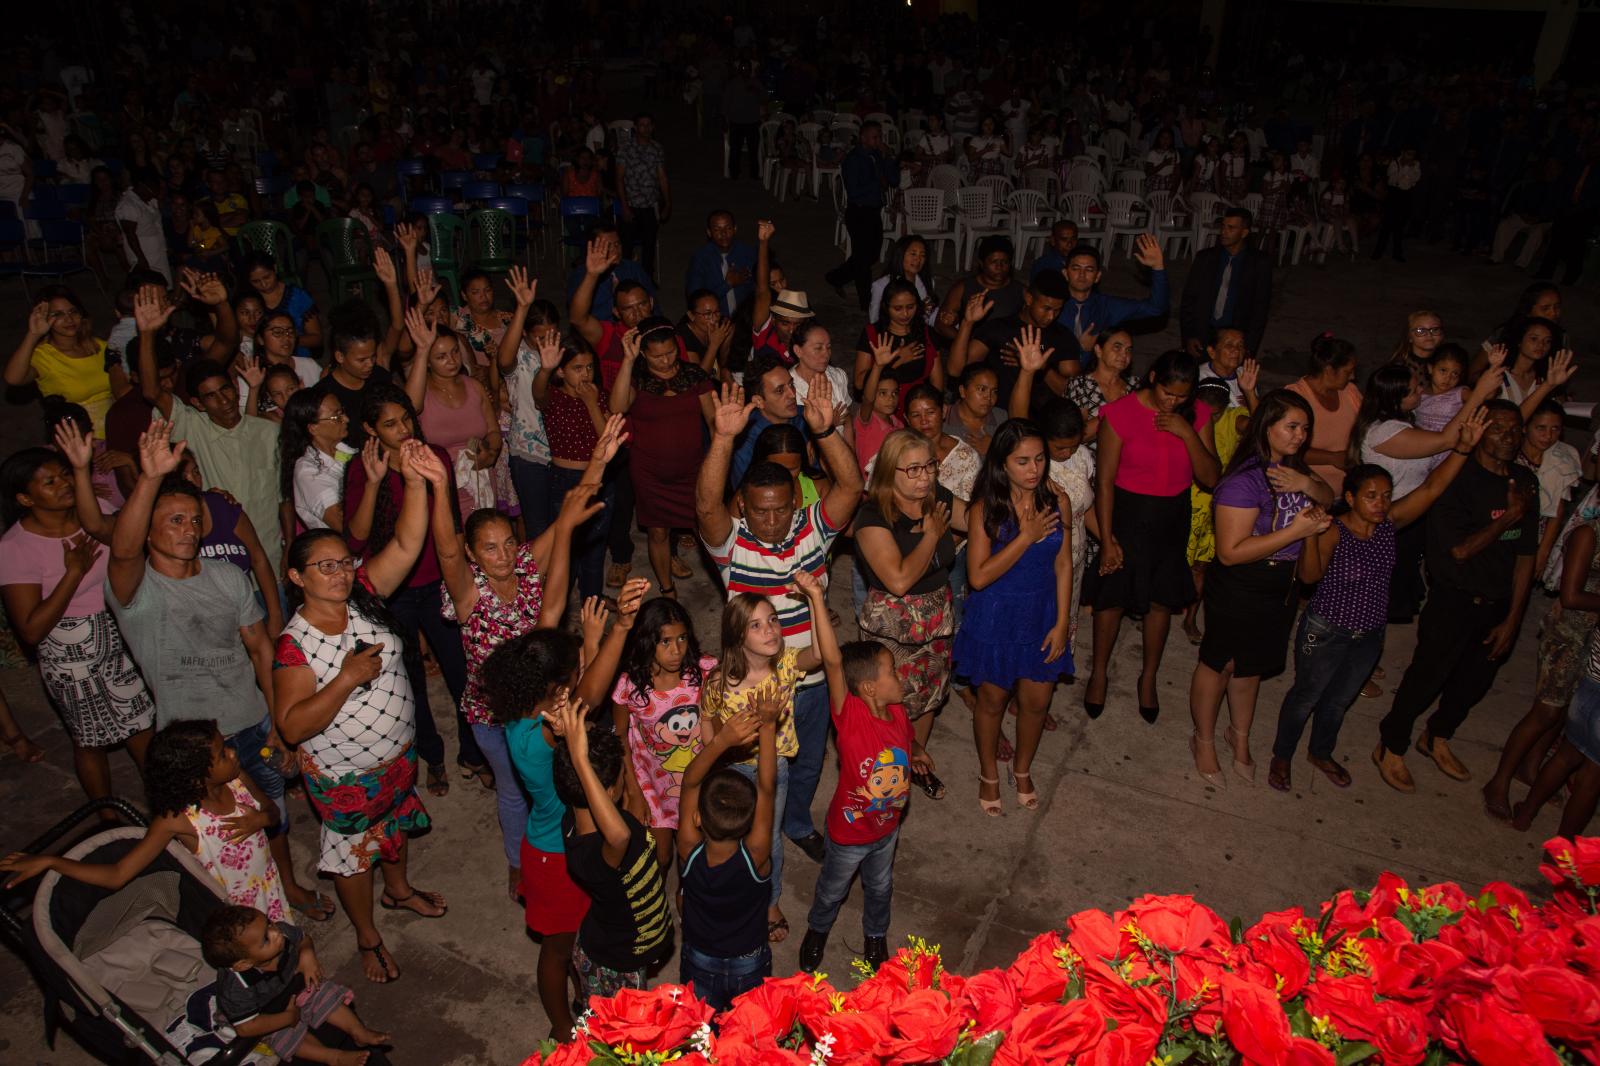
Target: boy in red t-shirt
<point x="876" y="750"/>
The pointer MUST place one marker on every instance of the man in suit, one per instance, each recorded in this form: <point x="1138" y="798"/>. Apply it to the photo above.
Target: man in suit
<point x="723" y="265"/>
<point x="1229" y="285"/>
<point x="868" y="174"/>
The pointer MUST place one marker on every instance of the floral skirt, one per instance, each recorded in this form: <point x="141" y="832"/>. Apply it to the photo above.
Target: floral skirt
<point x="365" y="814"/>
<point x="917" y="630"/>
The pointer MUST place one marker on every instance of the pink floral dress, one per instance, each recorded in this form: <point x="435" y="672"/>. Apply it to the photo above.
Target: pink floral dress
<point x="492" y="623"/>
<point x="663" y="739"/>
<point x="245" y="869"/>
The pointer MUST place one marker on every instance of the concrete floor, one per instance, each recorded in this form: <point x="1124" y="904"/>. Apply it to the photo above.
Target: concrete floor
<point x="1122" y="813"/>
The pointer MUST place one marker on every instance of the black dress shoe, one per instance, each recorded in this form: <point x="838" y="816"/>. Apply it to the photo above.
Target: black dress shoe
<point x="1150" y="714"/>
<point x="875" y="951"/>
<point x="811" y="949"/>
<point x="812" y="844"/>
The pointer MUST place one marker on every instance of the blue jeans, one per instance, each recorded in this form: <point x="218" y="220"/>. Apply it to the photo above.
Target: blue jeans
<point x="532" y="482"/>
<point x="246" y="744"/>
<point x="589" y="539"/>
<point x="417" y="609"/>
<point x="512" y="803"/>
<point x="875" y="861"/>
<point x="718" y="980"/>
<point x="811" y="718"/>
<point x="1331" y="664"/>
<point x="778" y="801"/>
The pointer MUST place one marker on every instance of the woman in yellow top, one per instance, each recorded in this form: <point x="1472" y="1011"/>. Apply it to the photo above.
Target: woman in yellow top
<point x="1228" y="428"/>
<point x="757" y="668"/>
<point x="61" y="353"/>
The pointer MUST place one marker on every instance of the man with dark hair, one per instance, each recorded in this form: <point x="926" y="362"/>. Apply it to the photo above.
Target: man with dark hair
<point x="1483" y="533"/>
<point x="235" y="451"/>
<point x="1063" y="239"/>
<point x="769" y="383"/>
<point x="994" y="343"/>
<point x="642" y="190"/>
<point x="759" y="548"/>
<point x="633" y="304"/>
<point x="138" y="215"/>
<point x="1230" y="284"/>
<point x="723" y="265"/>
<point x="358" y="366"/>
<point x="868" y="174"/>
<point x="620" y="271"/>
<point x="1089" y="312"/>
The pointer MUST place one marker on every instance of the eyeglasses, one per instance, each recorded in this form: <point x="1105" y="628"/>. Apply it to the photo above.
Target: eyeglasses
<point x="919" y="470"/>
<point x="340" y="417"/>
<point x="279" y="331"/>
<point x="69" y="313"/>
<point x="333" y="567"/>
<point x="1428" y="331"/>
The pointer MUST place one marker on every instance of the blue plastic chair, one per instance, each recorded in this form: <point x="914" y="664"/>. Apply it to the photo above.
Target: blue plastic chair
<point x="485" y="160"/>
<point x="60" y="237"/>
<point x="44" y="208"/>
<point x="451" y="180"/>
<point x="44" y="169"/>
<point x="533" y="192"/>
<point x="74" y="195"/>
<point x="579" y="215"/>
<point x="480" y="190"/>
<point x="269" y="187"/>
<point x="267" y="161"/>
<point x="406" y="169"/>
<point x="433" y="205"/>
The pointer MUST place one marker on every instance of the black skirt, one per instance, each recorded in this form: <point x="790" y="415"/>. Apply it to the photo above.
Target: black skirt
<point x="1154" y="534"/>
<point x="1249" y="615"/>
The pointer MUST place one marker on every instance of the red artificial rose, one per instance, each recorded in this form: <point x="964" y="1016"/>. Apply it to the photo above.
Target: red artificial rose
<point x="531" y="1060"/>
<point x="1094" y="936"/>
<point x="923" y="1027"/>
<point x="1565" y="1003"/>
<point x="1276" y="948"/>
<point x="768" y="1011"/>
<point x="1126" y="1045"/>
<point x="1199" y="982"/>
<point x="738" y="1050"/>
<point x="1123" y="1003"/>
<point x="992" y="1001"/>
<point x="1415" y="973"/>
<point x="1349" y="915"/>
<point x="656" y="1019"/>
<point x="912" y="969"/>
<point x="1037" y="973"/>
<point x="880" y="992"/>
<point x="1051" y="1032"/>
<point x="1345" y="1001"/>
<point x="345" y="799"/>
<point x="857" y="1037"/>
<point x="1176" y="923"/>
<point x="1485" y="940"/>
<point x="573" y="1053"/>
<point x="1506" y="896"/>
<point x="1572" y="859"/>
<point x="1306" y="1052"/>
<point x="1284" y="919"/>
<point x="1254" y="1022"/>
<point x="1401" y="1034"/>
<point x="1481" y="1029"/>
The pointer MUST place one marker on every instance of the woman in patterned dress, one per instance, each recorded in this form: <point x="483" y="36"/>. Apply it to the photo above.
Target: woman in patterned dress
<point x="341" y="692"/>
<point x="202" y="799"/>
<point x="499" y="589"/>
<point x="52" y="578"/>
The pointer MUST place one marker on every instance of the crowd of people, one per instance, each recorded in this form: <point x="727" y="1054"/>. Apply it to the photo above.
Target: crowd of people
<point x="256" y="525"/>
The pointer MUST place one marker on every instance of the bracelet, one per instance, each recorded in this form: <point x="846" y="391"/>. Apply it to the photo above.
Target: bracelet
<point x="825" y="434"/>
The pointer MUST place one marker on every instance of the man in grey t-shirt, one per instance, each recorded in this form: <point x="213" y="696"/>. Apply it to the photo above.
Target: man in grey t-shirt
<point x="196" y="630"/>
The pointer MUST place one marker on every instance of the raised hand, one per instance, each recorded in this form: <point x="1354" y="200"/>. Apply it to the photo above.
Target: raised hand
<point x="1147" y="250"/>
<point x="1562" y="367"/>
<point x="250" y="369"/>
<point x="1030" y="352"/>
<point x="732" y="413"/>
<point x="408" y="235"/>
<point x="550" y="351"/>
<point x="1495" y="353"/>
<point x="375" y="460"/>
<point x="599" y="256"/>
<point x="423" y="333"/>
<point x="1249" y="371"/>
<point x="820" y="413"/>
<point x="883" y="351"/>
<point x="592" y="619"/>
<point x="522" y="287"/>
<point x="630" y="346"/>
<point x="630" y="599"/>
<point x="77" y="446"/>
<point x="426" y="464"/>
<point x="150" y="308"/>
<point x="1472" y="429"/>
<point x="1088" y="338"/>
<point x="427" y="288"/>
<point x="573" y="713"/>
<point x="579" y="505"/>
<point x="765" y="229"/>
<point x="807" y="584"/>
<point x="978" y="305"/>
<point x="158" y="456"/>
<point x="79" y="554"/>
<point x="383" y="266"/>
<point x="611" y="440"/>
<point x="39" y="319"/>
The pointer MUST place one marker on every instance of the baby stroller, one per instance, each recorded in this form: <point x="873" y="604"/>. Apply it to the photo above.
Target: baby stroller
<point x="122" y="971"/>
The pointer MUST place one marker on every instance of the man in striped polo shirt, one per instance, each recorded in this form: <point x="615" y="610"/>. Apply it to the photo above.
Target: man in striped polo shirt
<point x="760" y="548"/>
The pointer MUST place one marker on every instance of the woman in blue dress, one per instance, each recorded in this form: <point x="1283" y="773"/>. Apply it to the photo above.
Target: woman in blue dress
<point x="1013" y="638"/>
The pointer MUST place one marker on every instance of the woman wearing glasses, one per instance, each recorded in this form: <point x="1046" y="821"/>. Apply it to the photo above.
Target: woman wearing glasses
<point x="61" y="353"/>
<point x="1424" y="333"/>
<point x="311" y="458"/>
<point x="905" y="550"/>
<point x="342" y="694"/>
<point x="669" y="402"/>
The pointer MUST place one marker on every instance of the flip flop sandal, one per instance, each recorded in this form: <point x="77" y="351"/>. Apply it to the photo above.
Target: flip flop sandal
<point x="379" y="953"/>
<point x="484" y="775"/>
<point x="391" y="903"/>
<point x="318" y="910"/>
<point x="680" y="569"/>
<point x="438" y="781"/>
<point x="781" y="925"/>
<point x="930" y="784"/>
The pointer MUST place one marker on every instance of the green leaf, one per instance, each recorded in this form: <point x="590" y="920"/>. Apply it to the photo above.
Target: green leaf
<point x="1436" y="1057"/>
<point x="1354" y="1051"/>
<point x="1300" y="1023"/>
<point x="1236" y="928"/>
<point x="982" y="1051"/>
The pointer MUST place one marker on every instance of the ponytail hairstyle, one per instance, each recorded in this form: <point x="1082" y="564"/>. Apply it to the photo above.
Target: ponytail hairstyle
<point x="1387" y="388"/>
<point x="992" y="487"/>
<point x="1328" y="352"/>
<point x="1175" y="367"/>
<point x="1354" y="478"/>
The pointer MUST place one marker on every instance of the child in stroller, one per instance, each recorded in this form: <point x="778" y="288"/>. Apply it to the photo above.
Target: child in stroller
<point x="270" y="984"/>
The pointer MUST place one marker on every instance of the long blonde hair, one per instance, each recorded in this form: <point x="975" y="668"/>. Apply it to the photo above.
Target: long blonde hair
<point x="881" y="488"/>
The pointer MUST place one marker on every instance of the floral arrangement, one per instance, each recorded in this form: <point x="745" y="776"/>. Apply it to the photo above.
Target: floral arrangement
<point x="1397" y="976"/>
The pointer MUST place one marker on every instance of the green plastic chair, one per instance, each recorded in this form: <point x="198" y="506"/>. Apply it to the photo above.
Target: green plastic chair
<point x="345" y="247"/>
<point x="492" y="234"/>
<point x="446" y="238"/>
<point x="273" y="238"/>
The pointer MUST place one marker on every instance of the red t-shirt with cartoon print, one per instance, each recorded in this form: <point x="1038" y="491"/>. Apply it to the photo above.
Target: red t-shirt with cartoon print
<point x="874" y="772"/>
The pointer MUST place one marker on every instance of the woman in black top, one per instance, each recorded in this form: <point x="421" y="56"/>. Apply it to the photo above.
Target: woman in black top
<point x="902" y="326"/>
<point x="905" y="550"/>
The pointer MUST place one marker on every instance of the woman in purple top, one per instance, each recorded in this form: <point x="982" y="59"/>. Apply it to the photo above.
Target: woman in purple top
<point x="1266" y="503"/>
<point x="1341" y="631"/>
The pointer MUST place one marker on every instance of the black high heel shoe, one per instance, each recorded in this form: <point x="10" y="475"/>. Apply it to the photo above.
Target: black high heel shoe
<point x="1151" y="713"/>
<point x="1092" y="709"/>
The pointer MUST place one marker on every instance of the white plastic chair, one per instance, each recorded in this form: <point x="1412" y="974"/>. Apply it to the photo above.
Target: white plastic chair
<point x="1086" y="210"/>
<point x="1115" y="142"/>
<point x="820" y="170"/>
<point x="767" y="145"/>
<point x="844" y="134"/>
<point x="882" y="118"/>
<point x="822" y="118"/>
<point x="1044" y="180"/>
<point x="1086" y="177"/>
<point x="1252" y="204"/>
<point x="1168" y="224"/>
<point x="847" y="119"/>
<point x="841" y="232"/>
<point x="1131" y="180"/>
<point x="976" y="219"/>
<point x="1030" y="220"/>
<point x="925" y="216"/>
<point x="947" y="179"/>
<point x="1125" y="217"/>
<point x="1207" y="209"/>
<point x="891" y="139"/>
<point x="1298" y="236"/>
<point x="619" y="132"/>
<point x="1101" y="157"/>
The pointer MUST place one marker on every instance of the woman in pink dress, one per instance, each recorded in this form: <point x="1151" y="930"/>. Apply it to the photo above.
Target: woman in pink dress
<point x="455" y="411"/>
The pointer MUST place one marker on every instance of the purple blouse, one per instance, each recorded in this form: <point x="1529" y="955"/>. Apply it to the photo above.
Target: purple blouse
<point x="1354" y="593"/>
<point x="1247" y="488"/>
